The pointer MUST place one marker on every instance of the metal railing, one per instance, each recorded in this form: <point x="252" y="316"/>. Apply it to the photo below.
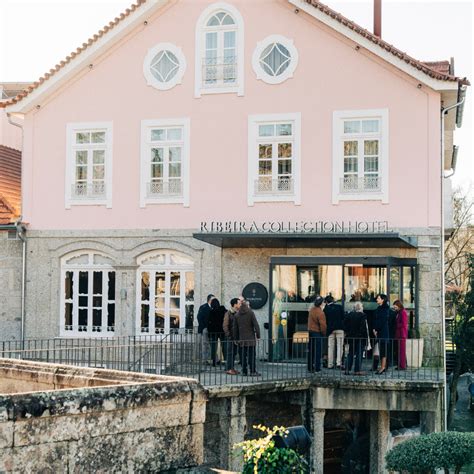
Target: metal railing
<point x="94" y="190"/>
<point x="219" y="71"/>
<point x="165" y="188"/>
<point x="218" y="361"/>
<point x="265" y="185"/>
<point x="354" y="184"/>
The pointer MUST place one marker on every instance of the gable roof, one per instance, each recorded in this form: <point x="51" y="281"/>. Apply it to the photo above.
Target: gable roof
<point x="436" y="70"/>
<point x="431" y="69"/>
<point x="101" y="38"/>
<point x="10" y="184"/>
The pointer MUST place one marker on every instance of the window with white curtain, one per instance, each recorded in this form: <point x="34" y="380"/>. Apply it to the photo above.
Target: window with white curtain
<point x="89" y="164"/>
<point x="165" y="162"/>
<point x="165" y="299"/>
<point x="275" y="59"/>
<point x="87" y="295"/>
<point x="219" y="50"/>
<point x="360" y="161"/>
<point x="274" y="158"/>
<point x="164" y="66"/>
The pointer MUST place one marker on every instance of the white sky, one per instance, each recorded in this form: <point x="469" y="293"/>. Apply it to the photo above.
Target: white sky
<point x="36" y="34"/>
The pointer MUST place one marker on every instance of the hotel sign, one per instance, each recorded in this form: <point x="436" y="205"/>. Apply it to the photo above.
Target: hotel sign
<point x="300" y="227"/>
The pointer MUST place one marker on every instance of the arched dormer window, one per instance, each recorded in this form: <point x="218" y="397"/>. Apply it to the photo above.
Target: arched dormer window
<point x="219" y="51"/>
<point x="165" y="296"/>
<point x="87" y="295"/>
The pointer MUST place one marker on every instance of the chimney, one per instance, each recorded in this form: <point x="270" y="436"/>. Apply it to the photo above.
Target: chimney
<point x="378" y="18"/>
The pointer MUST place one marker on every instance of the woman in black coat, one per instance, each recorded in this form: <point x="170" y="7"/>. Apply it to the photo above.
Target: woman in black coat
<point x="215" y="327"/>
<point x="381" y="331"/>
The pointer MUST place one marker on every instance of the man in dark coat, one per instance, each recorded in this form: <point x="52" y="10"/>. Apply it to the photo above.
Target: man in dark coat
<point x="215" y="328"/>
<point x="335" y="320"/>
<point x="228" y="327"/>
<point x="247" y="331"/>
<point x="355" y="328"/>
<point x="203" y="322"/>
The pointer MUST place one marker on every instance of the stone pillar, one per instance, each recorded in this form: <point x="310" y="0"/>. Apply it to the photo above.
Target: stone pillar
<point x="379" y="432"/>
<point x="317" y="445"/>
<point x="316" y="422"/>
<point x="233" y="425"/>
<point x="428" y="422"/>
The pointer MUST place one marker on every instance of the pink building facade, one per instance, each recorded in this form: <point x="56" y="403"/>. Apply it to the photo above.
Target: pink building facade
<point x="193" y="148"/>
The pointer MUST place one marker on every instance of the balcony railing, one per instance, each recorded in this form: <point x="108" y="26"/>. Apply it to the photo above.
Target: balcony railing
<point x="165" y="189"/>
<point x="182" y="353"/>
<point x="219" y="71"/>
<point x="273" y="186"/>
<point x="88" y="190"/>
<point x="367" y="184"/>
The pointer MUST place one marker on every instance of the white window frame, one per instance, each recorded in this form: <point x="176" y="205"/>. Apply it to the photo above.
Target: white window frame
<point x="71" y="130"/>
<point x="151" y="79"/>
<point x="89" y="267"/>
<point x="167" y="268"/>
<point x="199" y="88"/>
<point x="339" y="117"/>
<point x="145" y="174"/>
<point x="253" y="124"/>
<point x="288" y="73"/>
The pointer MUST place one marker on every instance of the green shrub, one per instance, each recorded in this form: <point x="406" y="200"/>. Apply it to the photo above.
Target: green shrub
<point x="261" y="456"/>
<point x="425" y="454"/>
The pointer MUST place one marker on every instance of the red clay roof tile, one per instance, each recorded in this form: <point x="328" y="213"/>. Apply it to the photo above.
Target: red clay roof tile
<point x="432" y="69"/>
<point x="10" y="184"/>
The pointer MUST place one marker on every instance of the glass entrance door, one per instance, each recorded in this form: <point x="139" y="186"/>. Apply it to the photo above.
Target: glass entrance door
<point x="294" y="290"/>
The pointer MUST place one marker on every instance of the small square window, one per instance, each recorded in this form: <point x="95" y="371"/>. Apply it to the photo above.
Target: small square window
<point x="158" y="135"/>
<point x="370" y="126"/>
<point x="83" y="137"/>
<point x="266" y="130"/>
<point x="98" y="137"/>
<point x="174" y="134"/>
<point x="284" y="129"/>
<point x="352" y="126"/>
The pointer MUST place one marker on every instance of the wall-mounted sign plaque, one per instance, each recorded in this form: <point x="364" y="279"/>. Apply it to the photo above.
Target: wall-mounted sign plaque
<point x="256" y="294"/>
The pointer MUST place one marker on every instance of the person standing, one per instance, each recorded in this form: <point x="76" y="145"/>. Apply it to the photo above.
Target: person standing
<point x="203" y="323"/>
<point x="355" y="328"/>
<point x="247" y="331"/>
<point x="335" y="323"/>
<point x="381" y="331"/>
<point x="230" y="342"/>
<point x="401" y="334"/>
<point x="317" y="330"/>
<point x="215" y="327"/>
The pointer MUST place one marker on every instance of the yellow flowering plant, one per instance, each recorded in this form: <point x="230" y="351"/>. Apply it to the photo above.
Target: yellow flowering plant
<point x="261" y="456"/>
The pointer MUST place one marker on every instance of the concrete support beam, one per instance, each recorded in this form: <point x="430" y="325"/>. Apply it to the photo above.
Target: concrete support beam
<point x="379" y="432"/>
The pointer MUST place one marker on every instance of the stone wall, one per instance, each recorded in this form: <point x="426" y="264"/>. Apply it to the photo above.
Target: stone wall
<point x="223" y="272"/>
<point x="10" y="287"/>
<point x="135" y="423"/>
